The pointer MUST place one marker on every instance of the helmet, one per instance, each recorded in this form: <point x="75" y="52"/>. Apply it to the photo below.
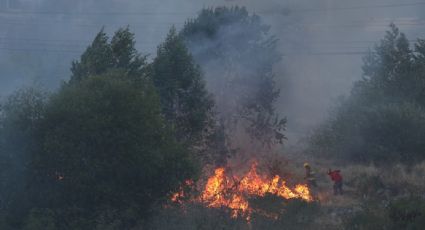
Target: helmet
<point x="306" y="165"/>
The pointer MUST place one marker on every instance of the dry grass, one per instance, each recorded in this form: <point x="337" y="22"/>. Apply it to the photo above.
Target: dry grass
<point x="399" y="179"/>
<point x="413" y="176"/>
<point x="363" y="185"/>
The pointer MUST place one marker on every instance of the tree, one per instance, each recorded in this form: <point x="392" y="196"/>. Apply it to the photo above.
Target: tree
<point x="237" y="54"/>
<point x="102" y="150"/>
<point x="186" y="104"/>
<point x="20" y="116"/>
<point x="95" y="60"/>
<point x="387" y="72"/>
<point x="103" y="55"/>
<point x="383" y="118"/>
<point x="105" y="147"/>
<point x="126" y="57"/>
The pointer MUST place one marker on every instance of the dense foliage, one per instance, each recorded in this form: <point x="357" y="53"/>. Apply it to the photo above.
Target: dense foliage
<point x="402" y="213"/>
<point x="101" y="150"/>
<point x="21" y="114"/>
<point x="105" y="145"/>
<point x="383" y="120"/>
<point x="102" y="55"/>
<point x="185" y="102"/>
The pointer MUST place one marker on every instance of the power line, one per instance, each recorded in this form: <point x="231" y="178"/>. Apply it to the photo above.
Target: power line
<point x="50" y="20"/>
<point x="46" y="46"/>
<point x="150" y="13"/>
<point x="82" y="43"/>
<point x="144" y="13"/>
<point x="86" y="43"/>
<point x="371" y="23"/>
<point x="349" y="41"/>
<point x="42" y="39"/>
<point x="52" y="48"/>
<point x="361" y="7"/>
<point x="337" y="53"/>
<point x="166" y="24"/>
<point x="89" y="26"/>
<point x="39" y="50"/>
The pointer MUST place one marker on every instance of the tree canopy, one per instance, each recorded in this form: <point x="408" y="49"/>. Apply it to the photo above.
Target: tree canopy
<point x="102" y="150"/>
<point x="20" y="116"/>
<point x="105" y="145"/>
<point x="103" y="55"/>
<point x="383" y="118"/>
<point x="237" y="54"/>
<point x="185" y="102"/>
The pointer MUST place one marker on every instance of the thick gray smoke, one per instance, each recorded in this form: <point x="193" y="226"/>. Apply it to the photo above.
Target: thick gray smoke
<point x="322" y="41"/>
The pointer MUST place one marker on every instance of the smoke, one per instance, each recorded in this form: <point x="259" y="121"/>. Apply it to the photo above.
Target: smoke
<point x="322" y="41"/>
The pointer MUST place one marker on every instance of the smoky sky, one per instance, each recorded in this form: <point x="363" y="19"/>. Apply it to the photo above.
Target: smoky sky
<point x="322" y="41"/>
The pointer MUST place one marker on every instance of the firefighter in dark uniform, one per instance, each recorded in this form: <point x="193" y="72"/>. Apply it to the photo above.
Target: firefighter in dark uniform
<point x="310" y="176"/>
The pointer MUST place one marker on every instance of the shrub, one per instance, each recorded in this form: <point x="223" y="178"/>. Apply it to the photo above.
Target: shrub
<point x="40" y="219"/>
<point x="383" y="119"/>
<point x="407" y="213"/>
<point x="366" y="220"/>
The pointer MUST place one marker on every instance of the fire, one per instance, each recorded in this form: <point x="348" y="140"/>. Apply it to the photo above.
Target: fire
<point x="177" y="197"/>
<point x="222" y="190"/>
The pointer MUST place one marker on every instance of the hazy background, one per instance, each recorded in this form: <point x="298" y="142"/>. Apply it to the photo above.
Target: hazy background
<point x="322" y="41"/>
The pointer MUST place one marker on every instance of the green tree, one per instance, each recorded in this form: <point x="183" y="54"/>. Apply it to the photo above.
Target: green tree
<point x="186" y="104"/>
<point x="388" y="71"/>
<point x="383" y="118"/>
<point x="237" y="54"/>
<point x="103" y="55"/>
<point x="20" y="116"/>
<point x="105" y="146"/>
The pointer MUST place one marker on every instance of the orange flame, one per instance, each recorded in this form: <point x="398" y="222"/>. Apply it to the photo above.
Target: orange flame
<point x="233" y="193"/>
<point x="178" y="196"/>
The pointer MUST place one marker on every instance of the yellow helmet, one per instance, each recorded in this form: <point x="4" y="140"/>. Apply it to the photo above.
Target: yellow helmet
<point x="306" y="165"/>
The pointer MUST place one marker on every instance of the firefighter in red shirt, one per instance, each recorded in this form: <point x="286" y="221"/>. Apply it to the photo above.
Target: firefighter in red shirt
<point x="337" y="179"/>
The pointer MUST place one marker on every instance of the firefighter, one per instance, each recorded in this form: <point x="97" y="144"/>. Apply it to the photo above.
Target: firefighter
<point x="337" y="179"/>
<point x="309" y="176"/>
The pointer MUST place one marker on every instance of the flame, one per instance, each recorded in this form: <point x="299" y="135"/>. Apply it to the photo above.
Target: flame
<point x="232" y="192"/>
<point x="178" y="196"/>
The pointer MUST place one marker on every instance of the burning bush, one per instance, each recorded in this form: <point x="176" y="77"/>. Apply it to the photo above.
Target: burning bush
<point x="238" y="193"/>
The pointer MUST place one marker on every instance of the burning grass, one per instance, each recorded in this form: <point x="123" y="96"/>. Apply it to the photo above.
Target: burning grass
<point x="224" y="190"/>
